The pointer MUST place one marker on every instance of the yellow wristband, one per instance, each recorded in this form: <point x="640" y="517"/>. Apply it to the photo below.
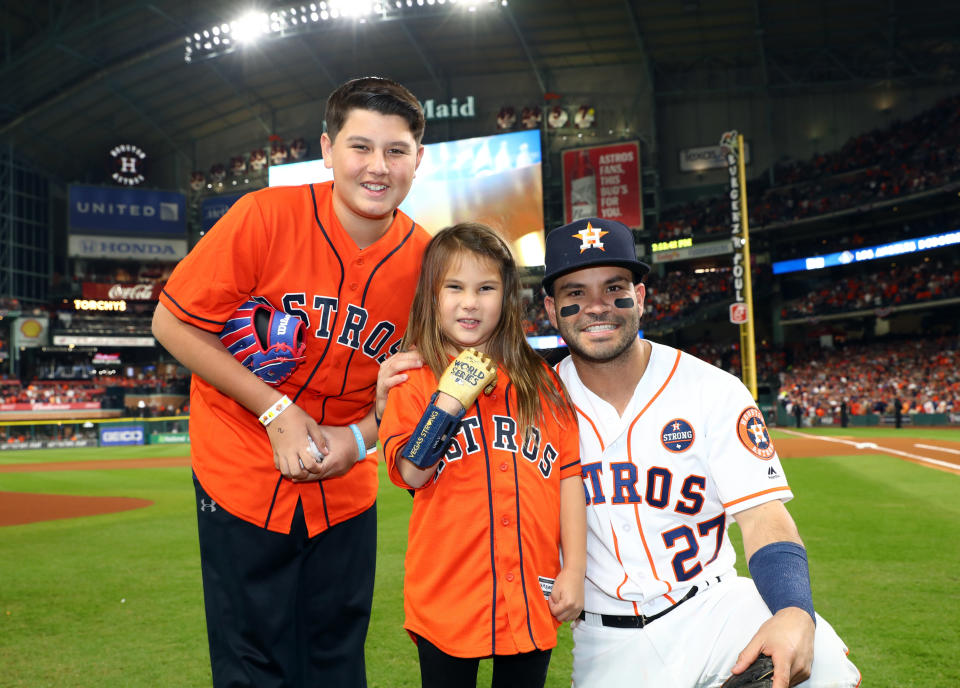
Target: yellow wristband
<point x="275" y="410"/>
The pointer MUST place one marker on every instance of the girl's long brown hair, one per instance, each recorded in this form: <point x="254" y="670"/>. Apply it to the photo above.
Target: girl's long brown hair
<point x="507" y="345"/>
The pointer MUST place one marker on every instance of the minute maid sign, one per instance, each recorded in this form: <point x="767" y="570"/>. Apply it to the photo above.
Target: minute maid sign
<point x="131" y="212"/>
<point x="455" y="109"/>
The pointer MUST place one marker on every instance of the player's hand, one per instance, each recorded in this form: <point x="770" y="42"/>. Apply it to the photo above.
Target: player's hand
<point x="392" y="374"/>
<point x="290" y="435"/>
<point x="787" y="638"/>
<point x="566" y="600"/>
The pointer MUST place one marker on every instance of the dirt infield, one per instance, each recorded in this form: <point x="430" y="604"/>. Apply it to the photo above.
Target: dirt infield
<point x="17" y="508"/>
<point x="167" y="462"/>
<point x="939" y="454"/>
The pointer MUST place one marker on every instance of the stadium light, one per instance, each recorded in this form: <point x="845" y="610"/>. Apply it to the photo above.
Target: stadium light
<point x="249" y="27"/>
<point x="290" y="20"/>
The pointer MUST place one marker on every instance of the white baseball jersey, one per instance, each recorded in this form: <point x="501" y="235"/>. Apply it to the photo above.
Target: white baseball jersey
<point x="663" y="480"/>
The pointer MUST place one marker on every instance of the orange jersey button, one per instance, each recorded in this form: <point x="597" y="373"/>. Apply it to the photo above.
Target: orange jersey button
<point x="509" y="577"/>
<point x="505" y="521"/>
<point x="504" y="467"/>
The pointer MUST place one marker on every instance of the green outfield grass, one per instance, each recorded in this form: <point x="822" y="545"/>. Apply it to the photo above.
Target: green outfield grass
<point x="932" y="433"/>
<point x="115" y="600"/>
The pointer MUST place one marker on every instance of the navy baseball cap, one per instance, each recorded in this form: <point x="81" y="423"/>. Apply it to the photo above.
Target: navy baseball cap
<point x="589" y="242"/>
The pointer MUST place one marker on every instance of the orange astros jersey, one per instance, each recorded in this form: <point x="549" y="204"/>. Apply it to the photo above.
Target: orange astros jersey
<point x="486" y="528"/>
<point x="285" y="246"/>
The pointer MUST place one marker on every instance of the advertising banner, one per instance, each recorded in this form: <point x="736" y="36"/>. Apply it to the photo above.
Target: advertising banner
<point x="31" y="330"/>
<point x="603" y="181"/>
<point x="669" y="254"/>
<point x="96" y="209"/>
<point x="116" y="292"/>
<point x="118" y="435"/>
<point x="126" y="248"/>
<point x="708" y="158"/>
<point x="101" y="340"/>
<point x="170" y="438"/>
<point x="212" y="209"/>
<point x="74" y="406"/>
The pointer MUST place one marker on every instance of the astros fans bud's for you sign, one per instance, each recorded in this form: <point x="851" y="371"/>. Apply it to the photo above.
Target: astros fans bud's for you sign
<point x="603" y="181"/>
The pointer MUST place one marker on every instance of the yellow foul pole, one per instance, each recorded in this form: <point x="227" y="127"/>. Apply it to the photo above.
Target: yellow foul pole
<point x="748" y="352"/>
<point x="741" y="310"/>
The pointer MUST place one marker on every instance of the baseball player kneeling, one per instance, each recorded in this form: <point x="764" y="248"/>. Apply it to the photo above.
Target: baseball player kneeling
<point x="672" y="449"/>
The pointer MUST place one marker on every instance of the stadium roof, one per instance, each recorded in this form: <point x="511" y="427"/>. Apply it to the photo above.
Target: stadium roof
<point x="76" y="74"/>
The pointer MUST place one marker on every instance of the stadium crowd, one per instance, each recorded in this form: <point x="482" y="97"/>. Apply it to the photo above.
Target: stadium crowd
<point x="14" y="392"/>
<point x="908" y="157"/>
<point x="894" y="286"/>
<point x="921" y="375"/>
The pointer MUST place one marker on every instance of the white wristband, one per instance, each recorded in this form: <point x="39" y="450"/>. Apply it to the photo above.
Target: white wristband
<point x="361" y="445"/>
<point x="275" y="410"/>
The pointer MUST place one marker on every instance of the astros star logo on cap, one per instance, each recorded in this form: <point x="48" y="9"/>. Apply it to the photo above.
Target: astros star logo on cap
<point x="590" y="238"/>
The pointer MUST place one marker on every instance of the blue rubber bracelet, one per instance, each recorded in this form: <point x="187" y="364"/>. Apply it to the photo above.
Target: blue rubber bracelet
<point x="782" y="576"/>
<point x="361" y="445"/>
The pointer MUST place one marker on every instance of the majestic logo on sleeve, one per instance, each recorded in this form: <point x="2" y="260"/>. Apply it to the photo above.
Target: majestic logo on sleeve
<point x="677" y="435"/>
<point x="752" y="432"/>
<point x="590" y="238"/>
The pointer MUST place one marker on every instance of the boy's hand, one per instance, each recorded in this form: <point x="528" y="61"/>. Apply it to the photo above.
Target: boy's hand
<point x="340" y="455"/>
<point x="566" y="600"/>
<point x="392" y="373"/>
<point x="290" y="434"/>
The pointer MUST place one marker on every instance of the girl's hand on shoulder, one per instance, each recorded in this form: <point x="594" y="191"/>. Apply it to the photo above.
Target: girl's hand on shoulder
<point x="290" y="435"/>
<point x="566" y="600"/>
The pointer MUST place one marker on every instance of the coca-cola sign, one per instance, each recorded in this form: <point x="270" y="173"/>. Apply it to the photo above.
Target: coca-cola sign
<point x="135" y="292"/>
<point x="121" y="292"/>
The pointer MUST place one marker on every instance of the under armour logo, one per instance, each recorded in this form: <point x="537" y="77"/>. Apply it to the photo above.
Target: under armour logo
<point x="207" y="505"/>
<point x="590" y="238"/>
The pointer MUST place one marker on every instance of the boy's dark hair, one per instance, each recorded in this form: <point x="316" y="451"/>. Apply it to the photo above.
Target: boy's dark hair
<point x="378" y="94"/>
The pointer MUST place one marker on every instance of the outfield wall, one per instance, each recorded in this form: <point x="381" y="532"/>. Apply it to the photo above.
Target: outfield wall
<point x="89" y="432"/>
<point x="871" y="420"/>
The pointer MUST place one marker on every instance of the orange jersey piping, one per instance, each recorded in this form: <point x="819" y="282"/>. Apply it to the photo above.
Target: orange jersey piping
<point x="727" y="505"/>
<point x="595" y="431"/>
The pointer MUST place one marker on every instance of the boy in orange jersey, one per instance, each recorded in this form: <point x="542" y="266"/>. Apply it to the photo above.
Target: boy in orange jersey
<point x="288" y="531"/>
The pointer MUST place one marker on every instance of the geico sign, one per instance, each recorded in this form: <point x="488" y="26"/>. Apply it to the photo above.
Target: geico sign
<point x="122" y="435"/>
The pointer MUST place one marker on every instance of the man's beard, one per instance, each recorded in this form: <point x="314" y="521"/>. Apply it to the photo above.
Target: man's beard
<point x="627" y="334"/>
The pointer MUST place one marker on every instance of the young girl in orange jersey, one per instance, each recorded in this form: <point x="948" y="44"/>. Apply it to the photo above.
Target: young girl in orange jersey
<point x="499" y="496"/>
